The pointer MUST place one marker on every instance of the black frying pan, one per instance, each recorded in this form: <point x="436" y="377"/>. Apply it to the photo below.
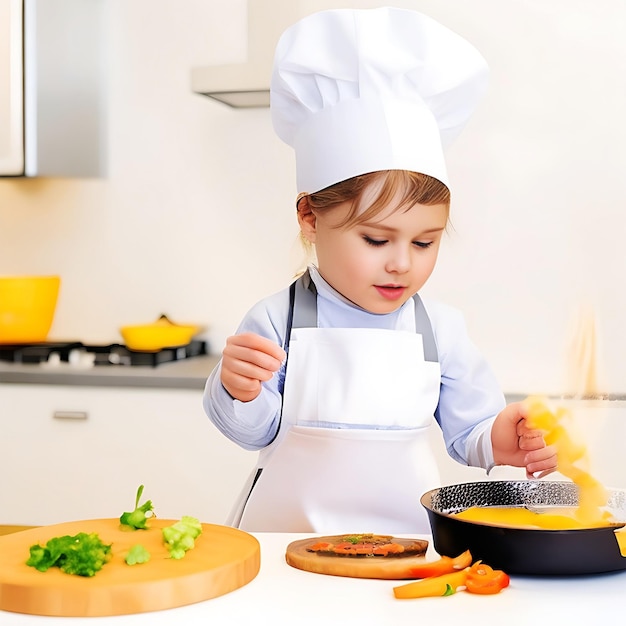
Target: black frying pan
<point x="518" y="550"/>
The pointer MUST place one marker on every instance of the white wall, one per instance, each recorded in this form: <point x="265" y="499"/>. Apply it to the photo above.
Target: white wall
<point x="195" y="216"/>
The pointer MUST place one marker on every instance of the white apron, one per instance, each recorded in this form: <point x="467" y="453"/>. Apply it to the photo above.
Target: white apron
<point x="352" y="453"/>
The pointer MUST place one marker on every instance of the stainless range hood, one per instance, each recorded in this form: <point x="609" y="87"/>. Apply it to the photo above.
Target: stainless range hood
<point x="52" y="118"/>
<point x="247" y="85"/>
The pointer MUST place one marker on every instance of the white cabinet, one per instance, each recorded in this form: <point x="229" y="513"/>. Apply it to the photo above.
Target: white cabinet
<point x="73" y="452"/>
<point x="69" y="453"/>
<point x="77" y="452"/>
<point x="51" y="88"/>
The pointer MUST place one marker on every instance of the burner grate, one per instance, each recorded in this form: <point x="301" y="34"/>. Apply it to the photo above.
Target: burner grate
<point x="104" y="355"/>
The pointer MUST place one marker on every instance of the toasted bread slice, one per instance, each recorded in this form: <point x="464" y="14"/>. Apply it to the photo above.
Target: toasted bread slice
<point x="358" y="556"/>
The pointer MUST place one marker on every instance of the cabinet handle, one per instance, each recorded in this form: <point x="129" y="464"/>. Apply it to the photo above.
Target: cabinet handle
<point x="70" y="415"/>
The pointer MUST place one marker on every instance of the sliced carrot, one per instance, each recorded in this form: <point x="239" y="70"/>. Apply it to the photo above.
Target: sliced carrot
<point x="485" y="580"/>
<point x="444" y="565"/>
<point x="434" y="586"/>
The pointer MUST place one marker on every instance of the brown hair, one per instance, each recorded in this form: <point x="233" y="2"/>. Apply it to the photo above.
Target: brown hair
<point x="414" y="189"/>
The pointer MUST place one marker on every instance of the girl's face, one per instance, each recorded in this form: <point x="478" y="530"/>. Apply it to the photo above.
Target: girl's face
<point x="378" y="265"/>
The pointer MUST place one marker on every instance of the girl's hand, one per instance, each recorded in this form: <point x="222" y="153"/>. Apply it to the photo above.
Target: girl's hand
<point x="247" y="360"/>
<point x="516" y="444"/>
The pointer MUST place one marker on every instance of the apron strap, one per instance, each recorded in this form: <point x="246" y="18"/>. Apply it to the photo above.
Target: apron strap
<point x="302" y="306"/>
<point x="305" y="303"/>
<point x="303" y="314"/>
<point x="425" y="328"/>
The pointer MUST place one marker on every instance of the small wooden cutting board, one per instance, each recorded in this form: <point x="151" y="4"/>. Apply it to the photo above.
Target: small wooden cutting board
<point x="387" y="568"/>
<point x="223" y="559"/>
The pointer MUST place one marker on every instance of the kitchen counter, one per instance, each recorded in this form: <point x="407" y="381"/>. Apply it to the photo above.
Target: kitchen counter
<point x="281" y="594"/>
<point x="185" y="374"/>
<point x="189" y="373"/>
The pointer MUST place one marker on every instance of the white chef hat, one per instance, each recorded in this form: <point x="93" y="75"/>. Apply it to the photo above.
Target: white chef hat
<point x="358" y="91"/>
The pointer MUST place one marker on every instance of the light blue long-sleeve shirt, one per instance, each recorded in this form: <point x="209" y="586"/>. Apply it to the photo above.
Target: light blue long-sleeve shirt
<point x="470" y="396"/>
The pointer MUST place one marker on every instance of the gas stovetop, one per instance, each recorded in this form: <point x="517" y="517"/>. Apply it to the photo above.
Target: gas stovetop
<point x="98" y="355"/>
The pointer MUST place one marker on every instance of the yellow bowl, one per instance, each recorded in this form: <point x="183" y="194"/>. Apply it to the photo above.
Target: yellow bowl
<point x="160" y="334"/>
<point x="27" y="307"/>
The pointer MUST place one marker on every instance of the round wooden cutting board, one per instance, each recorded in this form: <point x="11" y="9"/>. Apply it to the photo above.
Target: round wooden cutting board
<point x="223" y="559"/>
<point x="387" y="568"/>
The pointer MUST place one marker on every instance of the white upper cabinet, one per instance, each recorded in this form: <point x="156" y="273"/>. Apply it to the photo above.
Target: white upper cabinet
<point x="51" y="88"/>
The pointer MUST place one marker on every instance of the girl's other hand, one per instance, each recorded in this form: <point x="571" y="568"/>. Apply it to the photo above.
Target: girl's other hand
<point x="514" y="443"/>
<point x="249" y="359"/>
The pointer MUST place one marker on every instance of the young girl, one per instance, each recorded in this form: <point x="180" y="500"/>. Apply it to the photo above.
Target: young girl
<point x="336" y="379"/>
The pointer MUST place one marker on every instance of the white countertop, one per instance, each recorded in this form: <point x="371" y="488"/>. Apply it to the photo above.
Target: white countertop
<point x="281" y="594"/>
